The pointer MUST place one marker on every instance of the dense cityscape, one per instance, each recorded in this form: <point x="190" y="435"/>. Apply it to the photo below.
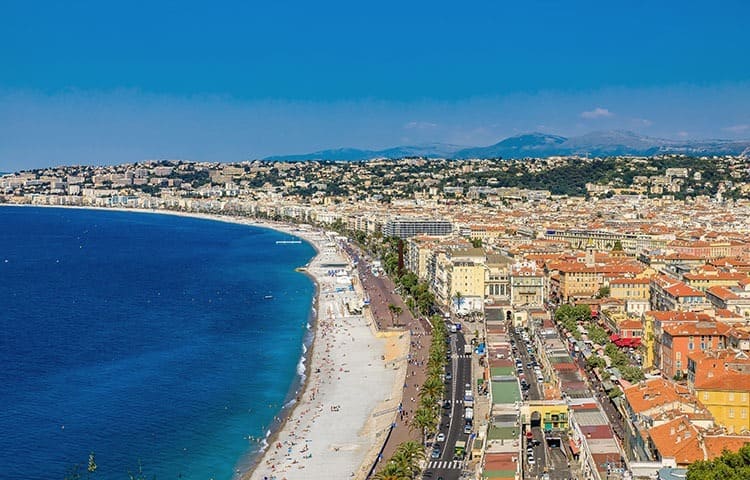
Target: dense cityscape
<point x="599" y="305"/>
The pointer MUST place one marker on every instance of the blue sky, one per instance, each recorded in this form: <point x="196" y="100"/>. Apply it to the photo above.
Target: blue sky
<point x="106" y="82"/>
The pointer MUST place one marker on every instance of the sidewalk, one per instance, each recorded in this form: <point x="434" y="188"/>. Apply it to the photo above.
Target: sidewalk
<point x="380" y="290"/>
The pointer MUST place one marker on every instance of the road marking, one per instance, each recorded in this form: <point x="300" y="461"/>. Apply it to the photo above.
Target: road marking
<point x="446" y="465"/>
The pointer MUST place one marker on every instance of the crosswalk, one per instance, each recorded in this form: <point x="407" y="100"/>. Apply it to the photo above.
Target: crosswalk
<point x="446" y="465"/>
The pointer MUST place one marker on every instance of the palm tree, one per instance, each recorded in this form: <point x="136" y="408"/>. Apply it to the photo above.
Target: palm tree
<point x="432" y="386"/>
<point x="458" y="297"/>
<point x="395" y="312"/>
<point x="410" y="303"/>
<point x="408" y="455"/>
<point x="412" y="449"/>
<point x="392" y="471"/>
<point x="424" y="420"/>
<point x="434" y="370"/>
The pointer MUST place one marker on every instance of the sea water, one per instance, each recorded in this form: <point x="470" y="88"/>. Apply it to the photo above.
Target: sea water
<point x="161" y="343"/>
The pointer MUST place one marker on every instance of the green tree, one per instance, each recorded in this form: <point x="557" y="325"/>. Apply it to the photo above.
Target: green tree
<point x="458" y="297"/>
<point x="424" y="420"/>
<point x="395" y="312"/>
<point x="595" y="361"/>
<point x="407" y="457"/>
<point x="614" y="393"/>
<point x="728" y="466"/>
<point x="632" y="374"/>
<point x="432" y="387"/>
<point x="392" y="471"/>
<point x="597" y="334"/>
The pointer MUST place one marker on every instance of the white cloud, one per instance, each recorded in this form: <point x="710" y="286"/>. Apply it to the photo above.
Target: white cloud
<point x="420" y="125"/>
<point x="598" y="112"/>
<point x="742" y="128"/>
<point x="643" y="122"/>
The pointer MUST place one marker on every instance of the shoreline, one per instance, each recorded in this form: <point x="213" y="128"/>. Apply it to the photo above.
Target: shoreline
<point x="298" y="398"/>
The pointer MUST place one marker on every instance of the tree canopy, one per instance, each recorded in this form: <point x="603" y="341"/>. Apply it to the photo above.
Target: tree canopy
<point x="729" y="466"/>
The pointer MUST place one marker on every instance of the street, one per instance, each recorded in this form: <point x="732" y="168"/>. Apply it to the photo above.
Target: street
<point x="452" y="423"/>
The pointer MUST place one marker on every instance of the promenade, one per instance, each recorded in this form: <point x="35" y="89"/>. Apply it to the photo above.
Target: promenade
<point x="380" y="290"/>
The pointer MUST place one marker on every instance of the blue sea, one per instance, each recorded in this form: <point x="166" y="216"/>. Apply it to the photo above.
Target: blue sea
<point x="152" y="340"/>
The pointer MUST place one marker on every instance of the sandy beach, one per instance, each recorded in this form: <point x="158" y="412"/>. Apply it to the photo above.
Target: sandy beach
<point x="351" y="395"/>
<point x="354" y="376"/>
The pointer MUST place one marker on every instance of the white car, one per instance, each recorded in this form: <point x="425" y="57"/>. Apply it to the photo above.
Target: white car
<point x="440" y="437"/>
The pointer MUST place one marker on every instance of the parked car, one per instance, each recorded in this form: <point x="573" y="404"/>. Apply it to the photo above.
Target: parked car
<point x="440" y="437"/>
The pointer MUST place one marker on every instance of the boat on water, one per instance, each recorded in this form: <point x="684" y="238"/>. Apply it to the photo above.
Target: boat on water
<point x="282" y="242"/>
<point x="268" y="297"/>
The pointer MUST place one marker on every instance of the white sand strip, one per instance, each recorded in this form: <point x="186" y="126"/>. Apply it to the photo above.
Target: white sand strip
<point x="332" y="431"/>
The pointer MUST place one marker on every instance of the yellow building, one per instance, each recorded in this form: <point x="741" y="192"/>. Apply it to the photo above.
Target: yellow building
<point x="419" y="250"/>
<point x="551" y="414"/>
<point x="466" y="272"/>
<point x="720" y="381"/>
<point x="729" y="404"/>
<point x="648" y="341"/>
<point x="705" y="279"/>
<point x="630" y="288"/>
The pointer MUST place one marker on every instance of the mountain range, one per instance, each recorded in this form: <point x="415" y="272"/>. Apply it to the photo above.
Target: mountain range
<point x="594" y="144"/>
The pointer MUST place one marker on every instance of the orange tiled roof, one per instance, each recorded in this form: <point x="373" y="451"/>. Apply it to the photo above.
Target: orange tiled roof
<point x="722" y="293"/>
<point x="715" y="445"/>
<point x="674" y="316"/>
<point x="681" y="329"/>
<point x="650" y="394"/>
<point x="717" y="275"/>
<point x="681" y="290"/>
<point x="630" y="281"/>
<point x="727" y="380"/>
<point x="630" y="324"/>
<point x="677" y="439"/>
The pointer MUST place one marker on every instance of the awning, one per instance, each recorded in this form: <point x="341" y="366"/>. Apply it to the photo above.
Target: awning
<point x="573" y="447"/>
<point x="631" y="342"/>
<point x="614" y="337"/>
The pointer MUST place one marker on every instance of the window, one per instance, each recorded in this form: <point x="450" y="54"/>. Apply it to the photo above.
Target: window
<point x="705" y="396"/>
<point x="731" y="413"/>
<point x="743" y="412"/>
<point x="731" y="396"/>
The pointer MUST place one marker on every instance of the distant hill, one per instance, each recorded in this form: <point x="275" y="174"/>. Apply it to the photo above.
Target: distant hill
<point x="520" y="146"/>
<point x="433" y="150"/>
<point x="601" y="144"/>
<point x="595" y="144"/>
